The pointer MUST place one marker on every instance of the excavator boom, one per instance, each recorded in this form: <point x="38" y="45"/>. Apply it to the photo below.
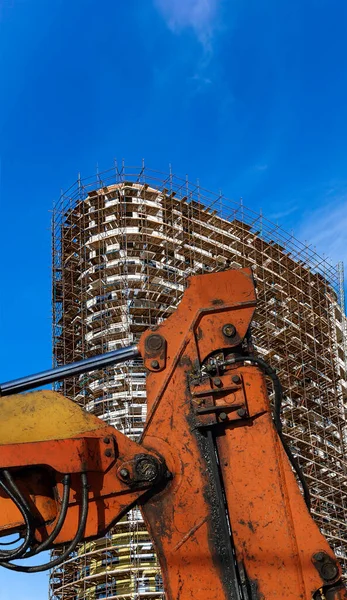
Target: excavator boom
<point x="212" y="473"/>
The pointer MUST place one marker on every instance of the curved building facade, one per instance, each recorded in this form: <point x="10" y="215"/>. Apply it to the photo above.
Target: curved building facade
<point x="123" y="247"/>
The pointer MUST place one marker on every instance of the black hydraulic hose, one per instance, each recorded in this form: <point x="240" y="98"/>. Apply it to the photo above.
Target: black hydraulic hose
<point x="14" y="494"/>
<point x="79" y="534"/>
<point x="60" y="521"/>
<point x="271" y="373"/>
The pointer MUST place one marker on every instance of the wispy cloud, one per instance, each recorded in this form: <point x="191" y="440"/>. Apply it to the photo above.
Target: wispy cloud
<point x="199" y="82"/>
<point x="198" y="15"/>
<point x="325" y="228"/>
<point x="203" y="19"/>
<point x="282" y="214"/>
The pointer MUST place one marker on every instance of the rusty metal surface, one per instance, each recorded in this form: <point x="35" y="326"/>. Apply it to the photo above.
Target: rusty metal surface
<point x="274" y="534"/>
<point x="184" y="519"/>
<point x="273" y="537"/>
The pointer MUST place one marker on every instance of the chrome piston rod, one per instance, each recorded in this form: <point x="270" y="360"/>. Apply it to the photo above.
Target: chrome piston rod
<point x="72" y="370"/>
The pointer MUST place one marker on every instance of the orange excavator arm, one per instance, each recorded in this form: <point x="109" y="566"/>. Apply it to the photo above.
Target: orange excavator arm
<point x="212" y="474"/>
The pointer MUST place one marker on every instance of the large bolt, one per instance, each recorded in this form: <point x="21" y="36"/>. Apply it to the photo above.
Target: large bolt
<point x="223" y="416"/>
<point x="108" y="452"/>
<point x="154" y="342"/>
<point x="329" y="571"/>
<point x="106" y="440"/>
<point x="229" y="330"/>
<point x="217" y="382"/>
<point x="236" y="379"/>
<point x="325" y="566"/>
<point x="155" y="364"/>
<point x="242" y="412"/>
<point x="147" y="469"/>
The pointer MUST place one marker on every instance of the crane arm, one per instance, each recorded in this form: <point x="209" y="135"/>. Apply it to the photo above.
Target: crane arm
<point x="211" y="473"/>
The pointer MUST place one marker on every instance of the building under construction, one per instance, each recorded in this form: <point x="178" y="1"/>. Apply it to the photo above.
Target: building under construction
<point x="124" y="244"/>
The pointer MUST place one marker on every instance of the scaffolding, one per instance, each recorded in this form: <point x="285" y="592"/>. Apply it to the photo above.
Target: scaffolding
<point x="123" y="247"/>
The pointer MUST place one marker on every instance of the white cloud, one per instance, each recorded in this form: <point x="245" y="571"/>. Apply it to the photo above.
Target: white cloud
<point x="199" y="15"/>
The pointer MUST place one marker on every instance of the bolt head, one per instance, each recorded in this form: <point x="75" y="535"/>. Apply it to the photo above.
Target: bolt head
<point x="223" y="416"/>
<point x="329" y="571"/>
<point x="108" y="453"/>
<point x="124" y="473"/>
<point x="217" y="382"/>
<point x="147" y="469"/>
<point x="229" y="330"/>
<point x="106" y="440"/>
<point x="155" y="364"/>
<point x="242" y="412"/>
<point x="154" y="342"/>
<point x="236" y="379"/>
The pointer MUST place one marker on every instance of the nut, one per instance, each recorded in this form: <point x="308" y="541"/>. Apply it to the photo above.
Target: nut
<point x="223" y="416"/>
<point x="106" y="440"/>
<point x="236" y="379"/>
<point x="229" y="330"/>
<point x="108" y="452"/>
<point x="217" y="382"/>
<point x="155" y="364"/>
<point x="319" y="556"/>
<point x="242" y="412"/>
<point x="124" y="473"/>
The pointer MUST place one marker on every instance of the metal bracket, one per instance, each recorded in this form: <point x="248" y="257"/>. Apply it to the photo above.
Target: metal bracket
<point x="155" y="352"/>
<point x="143" y="469"/>
<point x="326" y="567"/>
<point x="219" y="399"/>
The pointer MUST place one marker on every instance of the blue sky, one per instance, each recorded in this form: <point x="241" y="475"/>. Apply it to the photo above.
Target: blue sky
<point x="247" y="96"/>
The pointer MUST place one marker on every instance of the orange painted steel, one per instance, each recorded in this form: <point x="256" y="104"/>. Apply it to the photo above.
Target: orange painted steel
<point x="226" y="515"/>
<point x="274" y="536"/>
<point x="38" y="466"/>
<point x="181" y="519"/>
